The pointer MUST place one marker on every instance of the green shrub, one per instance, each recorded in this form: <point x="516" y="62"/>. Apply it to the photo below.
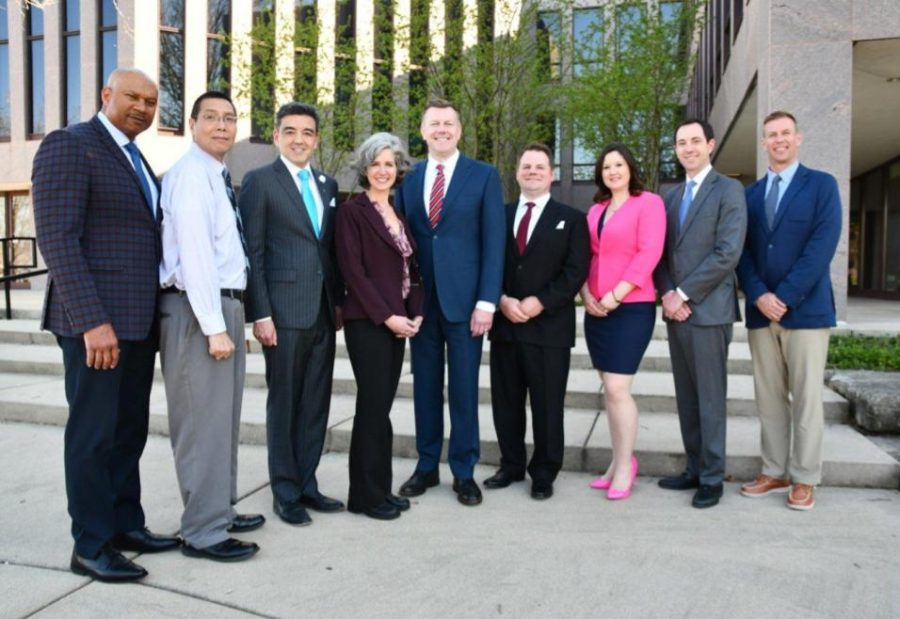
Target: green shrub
<point x="864" y="352"/>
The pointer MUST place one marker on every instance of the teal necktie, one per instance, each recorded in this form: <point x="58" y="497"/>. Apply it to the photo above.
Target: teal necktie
<point x="309" y="200"/>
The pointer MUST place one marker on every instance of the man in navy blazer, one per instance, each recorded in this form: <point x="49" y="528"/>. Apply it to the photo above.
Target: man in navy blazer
<point x="454" y="206"/>
<point x="98" y="227"/>
<point x="793" y="228"/>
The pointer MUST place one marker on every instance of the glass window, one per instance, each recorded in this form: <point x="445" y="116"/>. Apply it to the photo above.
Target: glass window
<point x="892" y="257"/>
<point x="628" y="17"/>
<point x="4" y="74"/>
<point x="306" y="40"/>
<point x="345" y="75"/>
<point x="383" y="86"/>
<point x="550" y="36"/>
<point x="109" y="53"/>
<point x="72" y="62"/>
<point x="218" y="26"/>
<point x="583" y="161"/>
<point x="171" y="65"/>
<point x="587" y="25"/>
<point x="34" y="37"/>
<point x="263" y="73"/>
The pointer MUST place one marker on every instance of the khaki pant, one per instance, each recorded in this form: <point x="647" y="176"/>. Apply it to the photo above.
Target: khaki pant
<point x="788" y="377"/>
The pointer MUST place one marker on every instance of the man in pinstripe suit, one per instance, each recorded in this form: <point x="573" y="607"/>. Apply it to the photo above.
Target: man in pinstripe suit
<point x="295" y="293"/>
<point x="97" y="218"/>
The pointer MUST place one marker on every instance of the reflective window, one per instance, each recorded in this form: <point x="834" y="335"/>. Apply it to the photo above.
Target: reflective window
<point x="263" y="72"/>
<point x="34" y="42"/>
<point x="550" y="36"/>
<point x="628" y="17"/>
<point x="4" y="74"/>
<point x="72" y="62"/>
<point x="218" y="26"/>
<point x="109" y="58"/>
<point x="171" y="64"/>
<point x="587" y="30"/>
<point x="345" y="74"/>
<point x="306" y="40"/>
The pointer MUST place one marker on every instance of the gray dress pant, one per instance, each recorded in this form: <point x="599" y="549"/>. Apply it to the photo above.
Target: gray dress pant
<point x="204" y="400"/>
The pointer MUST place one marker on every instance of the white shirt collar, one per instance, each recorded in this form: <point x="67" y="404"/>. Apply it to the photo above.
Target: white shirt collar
<point x="293" y="169"/>
<point x="701" y="176"/>
<point x="539" y="203"/>
<point x="213" y="163"/>
<point x="449" y="163"/>
<point x="120" y="138"/>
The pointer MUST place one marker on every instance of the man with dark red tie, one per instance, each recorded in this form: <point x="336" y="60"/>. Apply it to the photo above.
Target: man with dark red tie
<point x="454" y="206"/>
<point x="547" y="258"/>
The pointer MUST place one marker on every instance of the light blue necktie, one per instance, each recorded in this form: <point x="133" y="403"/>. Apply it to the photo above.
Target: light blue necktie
<point x="135" y="154"/>
<point x="772" y="201"/>
<point x="309" y="200"/>
<point x="685" y="203"/>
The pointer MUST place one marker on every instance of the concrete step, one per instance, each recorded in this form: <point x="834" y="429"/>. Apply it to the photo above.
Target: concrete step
<point x="654" y="392"/>
<point x="656" y="358"/>
<point x="851" y="459"/>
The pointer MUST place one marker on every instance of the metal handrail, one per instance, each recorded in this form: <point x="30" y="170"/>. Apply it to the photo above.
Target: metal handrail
<point x="9" y="277"/>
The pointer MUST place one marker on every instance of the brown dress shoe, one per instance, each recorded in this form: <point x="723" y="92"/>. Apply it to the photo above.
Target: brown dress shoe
<point x="763" y="485"/>
<point x="802" y="497"/>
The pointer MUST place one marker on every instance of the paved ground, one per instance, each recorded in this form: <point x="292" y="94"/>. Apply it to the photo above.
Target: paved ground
<point x="577" y="555"/>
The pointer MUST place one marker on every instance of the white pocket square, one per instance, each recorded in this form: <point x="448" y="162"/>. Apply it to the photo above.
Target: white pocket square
<point x="321" y="178"/>
<point x="561" y="225"/>
<point x="331" y="204"/>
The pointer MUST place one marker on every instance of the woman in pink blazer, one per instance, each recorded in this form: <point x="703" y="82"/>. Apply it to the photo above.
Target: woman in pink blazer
<point x="628" y="229"/>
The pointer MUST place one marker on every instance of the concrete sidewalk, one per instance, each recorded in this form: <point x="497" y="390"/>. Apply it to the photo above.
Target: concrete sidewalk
<point x="577" y="555"/>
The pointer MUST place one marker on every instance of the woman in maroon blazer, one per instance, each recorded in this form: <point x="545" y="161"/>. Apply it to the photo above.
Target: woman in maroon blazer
<point x="383" y="307"/>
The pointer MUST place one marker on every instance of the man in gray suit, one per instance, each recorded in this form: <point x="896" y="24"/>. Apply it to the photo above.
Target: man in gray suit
<point x="295" y="293"/>
<point x="706" y="220"/>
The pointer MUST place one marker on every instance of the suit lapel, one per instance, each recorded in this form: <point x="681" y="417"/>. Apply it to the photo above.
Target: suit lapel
<point x="797" y="183"/>
<point x="116" y="152"/>
<point x="327" y="198"/>
<point x="415" y="207"/>
<point x="698" y="202"/>
<point x="373" y="217"/>
<point x="455" y="186"/>
<point x="674" y="201"/>
<point x="289" y="187"/>
<point x="546" y="222"/>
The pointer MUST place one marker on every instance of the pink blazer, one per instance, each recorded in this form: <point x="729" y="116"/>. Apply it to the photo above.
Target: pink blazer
<point x="629" y="248"/>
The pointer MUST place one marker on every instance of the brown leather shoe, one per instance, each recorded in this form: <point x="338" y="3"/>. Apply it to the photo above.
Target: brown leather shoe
<point x="763" y="485"/>
<point x="802" y="497"/>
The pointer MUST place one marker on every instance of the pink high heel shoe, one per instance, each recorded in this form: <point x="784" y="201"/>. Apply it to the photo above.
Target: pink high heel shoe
<point x="601" y="483"/>
<point x="614" y="495"/>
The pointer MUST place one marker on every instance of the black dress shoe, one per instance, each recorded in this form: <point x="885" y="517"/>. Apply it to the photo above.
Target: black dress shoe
<point x="467" y="491"/>
<point x="541" y="491"/>
<point x="321" y="503"/>
<point x="502" y="478"/>
<point x="246" y="522"/>
<point x="385" y="511"/>
<point x="707" y="496"/>
<point x="681" y="482"/>
<point x="419" y="483"/>
<point x="142" y="540"/>
<point x="398" y="501"/>
<point x="292" y="512"/>
<point x="229" y="550"/>
<point x="109" y="566"/>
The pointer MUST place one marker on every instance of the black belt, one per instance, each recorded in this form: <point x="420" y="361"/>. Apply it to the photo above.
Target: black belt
<point x="231" y="293"/>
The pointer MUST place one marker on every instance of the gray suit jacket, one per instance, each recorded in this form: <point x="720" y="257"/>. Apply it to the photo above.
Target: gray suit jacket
<point x="289" y="266"/>
<point x="700" y="258"/>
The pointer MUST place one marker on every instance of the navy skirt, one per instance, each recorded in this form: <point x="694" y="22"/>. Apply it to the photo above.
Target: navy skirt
<point x="618" y="342"/>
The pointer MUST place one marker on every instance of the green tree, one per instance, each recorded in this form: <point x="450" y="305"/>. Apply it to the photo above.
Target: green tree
<point x="628" y="83"/>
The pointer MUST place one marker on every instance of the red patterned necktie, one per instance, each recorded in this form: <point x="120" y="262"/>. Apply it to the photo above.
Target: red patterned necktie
<point x="437" y="197"/>
<point x="522" y="232"/>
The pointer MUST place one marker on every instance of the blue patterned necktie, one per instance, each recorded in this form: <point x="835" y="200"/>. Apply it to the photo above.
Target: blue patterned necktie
<point x="132" y="149"/>
<point x="772" y="200"/>
<point x="309" y="200"/>
<point x="229" y="189"/>
<point x="685" y="203"/>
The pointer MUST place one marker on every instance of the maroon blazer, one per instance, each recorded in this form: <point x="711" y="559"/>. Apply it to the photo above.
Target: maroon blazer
<point x="372" y="265"/>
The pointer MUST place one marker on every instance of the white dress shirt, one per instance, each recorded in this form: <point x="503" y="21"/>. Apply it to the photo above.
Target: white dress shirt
<point x="430" y="176"/>
<point x="122" y="139"/>
<point x="202" y="251"/>
<point x="313" y="186"/>
<point x="539" y="203"/>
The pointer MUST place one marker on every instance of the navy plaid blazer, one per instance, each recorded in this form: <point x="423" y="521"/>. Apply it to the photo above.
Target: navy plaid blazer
<point x="96" y="233"/>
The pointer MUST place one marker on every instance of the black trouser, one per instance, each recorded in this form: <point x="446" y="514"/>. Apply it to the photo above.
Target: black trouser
<point x="541" y="372"/>
<point x="105" y="436"/>
<point x="376" y="355"/>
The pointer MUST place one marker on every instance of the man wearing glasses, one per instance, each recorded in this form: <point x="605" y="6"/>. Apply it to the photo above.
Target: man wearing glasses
<point x="203" y="275"/>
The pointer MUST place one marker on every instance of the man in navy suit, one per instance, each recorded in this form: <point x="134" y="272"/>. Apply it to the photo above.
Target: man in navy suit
<point x="793" y="227"/>
<point x="98" y="227"/>
<point x="454" y="206"/>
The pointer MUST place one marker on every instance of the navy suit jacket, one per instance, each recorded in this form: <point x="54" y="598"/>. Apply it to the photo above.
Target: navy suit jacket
<point x="462" y="258"/>
<point x="793" y="258"/>
<point x="97" y="235"/>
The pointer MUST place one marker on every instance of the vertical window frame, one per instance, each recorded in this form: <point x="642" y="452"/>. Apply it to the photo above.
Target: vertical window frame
<point x="4" y="45"/>
<point x="66" y="96"/>
<point x="30" y="40"/>
<point x="214" y="37"/>
<point x="102" y="31"/>
<point x="164" y="31"/>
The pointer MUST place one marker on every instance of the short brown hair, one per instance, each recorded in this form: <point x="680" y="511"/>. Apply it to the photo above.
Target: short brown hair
<point x="537" y="146"/>
<point x="440" y="104"/>
<point x="776" y="115"/>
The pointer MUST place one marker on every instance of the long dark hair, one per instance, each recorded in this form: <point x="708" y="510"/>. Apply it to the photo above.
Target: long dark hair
<point x="635" y="186"/>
